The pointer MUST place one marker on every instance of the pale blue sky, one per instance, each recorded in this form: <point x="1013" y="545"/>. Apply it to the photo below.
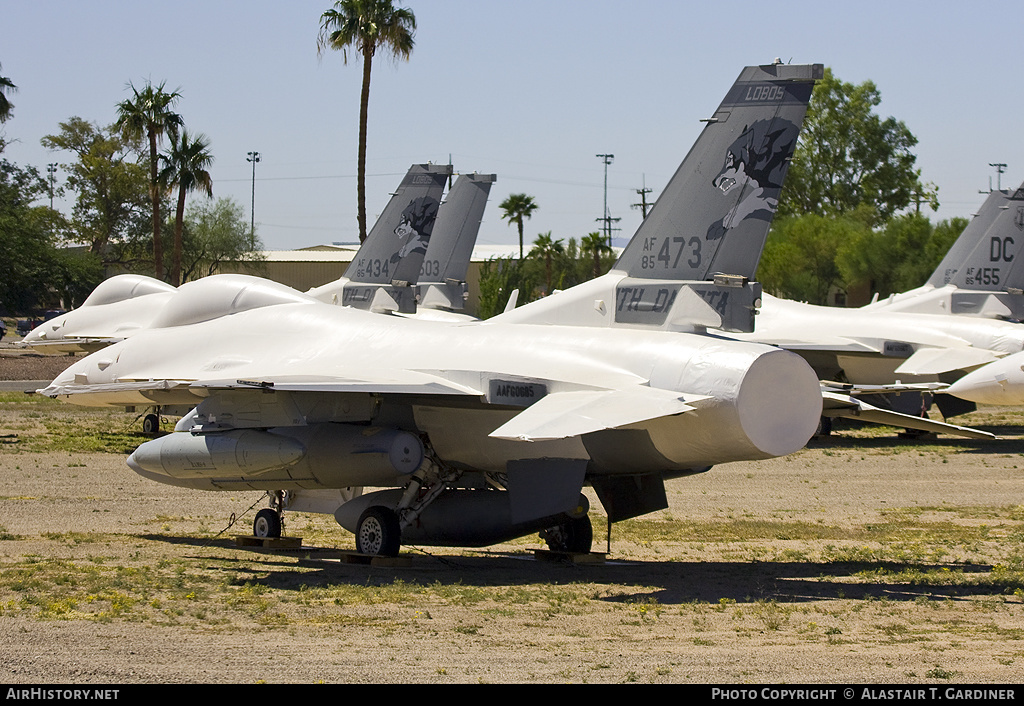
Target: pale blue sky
<point x="530" y="90"/>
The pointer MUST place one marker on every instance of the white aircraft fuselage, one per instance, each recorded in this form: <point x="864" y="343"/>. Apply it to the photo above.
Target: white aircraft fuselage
<point x="749" y="401"/>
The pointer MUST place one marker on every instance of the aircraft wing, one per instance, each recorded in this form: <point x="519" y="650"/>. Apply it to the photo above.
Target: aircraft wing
<point x="382" y="381"/>
<point x="70" y="389"/>
<point x="840" y="404"/>
<point x="564" y="414"/>
<point x="70" y="344"/>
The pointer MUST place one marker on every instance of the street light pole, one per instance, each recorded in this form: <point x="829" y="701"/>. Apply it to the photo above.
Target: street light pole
<point x="253" y="157"/>
<point x="607" y="219"/>
<point x="51" y="169"/>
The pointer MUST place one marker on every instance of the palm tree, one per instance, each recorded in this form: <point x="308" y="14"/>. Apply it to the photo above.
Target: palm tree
<point x="185" y="167"/>
<point x="548" y="248"/>
<point x="6" y="86"/>
<point x="517" y="207"/>
<point x="596" y="244"/>
<point x="148" y="115"/>
<point x="366" y="25"/>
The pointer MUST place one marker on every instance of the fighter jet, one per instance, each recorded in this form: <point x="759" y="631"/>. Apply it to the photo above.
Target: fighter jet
<point x="480" y="432"/>
<point x="982" y="277"/>
<point x="914" y="341"/>
<point x="116" y="309"/>
<point x="124" y="304"/>
<point x="982" y="274"/>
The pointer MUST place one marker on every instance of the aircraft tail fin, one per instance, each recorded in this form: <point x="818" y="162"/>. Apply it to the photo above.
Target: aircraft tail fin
<point x="443" y="274"/>
<point x="989" y="254"/>
<point x="691" y="263"/>
<point x="395" y="246"/>
<point x="713" y="216"/>
<point x="693" y="259"/>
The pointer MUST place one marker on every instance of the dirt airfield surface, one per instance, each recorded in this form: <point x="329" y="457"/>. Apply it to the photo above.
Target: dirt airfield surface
<point x="864" y="558"/>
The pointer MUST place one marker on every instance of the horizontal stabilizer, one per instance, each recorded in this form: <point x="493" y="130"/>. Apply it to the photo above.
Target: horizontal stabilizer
<point x="857" y="390"/>
<point x="934" y="361"/>
<point x="837" y="404"/>
<point x="823" y="342"/>
<point x="564" y="414"/>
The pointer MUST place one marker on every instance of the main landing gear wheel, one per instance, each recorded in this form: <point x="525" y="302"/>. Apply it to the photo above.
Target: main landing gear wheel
<point x="151" y="424"/>
<point x="575" y="536"/>
<point x="378" y="532"/>
<point x="267" y="524"/>
<point x="824" y="427"/>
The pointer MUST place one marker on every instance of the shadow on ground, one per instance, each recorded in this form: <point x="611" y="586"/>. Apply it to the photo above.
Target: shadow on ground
<point x="667" y="582"/>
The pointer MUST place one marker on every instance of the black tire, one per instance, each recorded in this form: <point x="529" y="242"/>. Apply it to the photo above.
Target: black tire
<point x="151" y="424"/>
<point x="267" y="524"/>
<point x="378" y="532"/>
<point x="575" y="536"/>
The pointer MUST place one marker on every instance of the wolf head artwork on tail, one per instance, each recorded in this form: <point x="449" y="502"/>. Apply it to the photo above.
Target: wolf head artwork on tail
<point x="754" y="167"/>
<point x="415" y="227"/>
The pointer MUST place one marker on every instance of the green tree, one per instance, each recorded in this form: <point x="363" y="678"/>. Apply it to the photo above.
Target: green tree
<point x="597" y="247"/>
<point x="549" y="250"/>
<point x="186" y="165"/>
<point x="6" y="86"/>
<point x="799" y="259"/>
<point x="148" y="114"/>
<point x="367" y="26"/>
<point x="899" y="256"/>
<point x="515" y="209"/>
<point x="849" y="157"/>
<point x="499" y="277"/>
<point x="112" y="189"/>
<point x="34" y="271"/>
<point x="217" y="236"/>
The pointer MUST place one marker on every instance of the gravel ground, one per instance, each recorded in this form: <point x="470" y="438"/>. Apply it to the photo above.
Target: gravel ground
<point x="816" y="568"/>
<point x="21" y="364"/>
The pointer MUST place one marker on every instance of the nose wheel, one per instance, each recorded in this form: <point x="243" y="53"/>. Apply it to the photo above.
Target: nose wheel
<point x="267" y="524"/>
<point x="151" y="424"/>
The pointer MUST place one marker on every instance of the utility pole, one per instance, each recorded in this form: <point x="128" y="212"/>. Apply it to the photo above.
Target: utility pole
<point x="1000" y="168"/>
<point x="253" y="157"/>
<point x="607" y="219"/>
<point x="643" y="205"/>
<point x="51" y="169"/>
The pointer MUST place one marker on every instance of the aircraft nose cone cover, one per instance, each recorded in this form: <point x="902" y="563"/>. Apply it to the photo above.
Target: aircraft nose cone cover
<point x="779" y="403"/>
